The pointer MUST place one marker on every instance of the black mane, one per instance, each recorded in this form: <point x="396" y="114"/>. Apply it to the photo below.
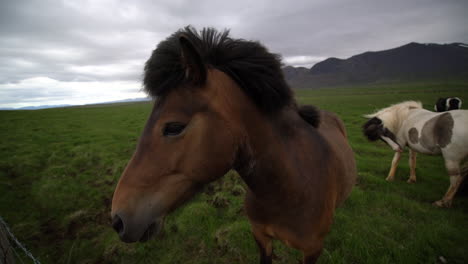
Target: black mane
<point x="373" y="129"/>
<point x="310" y="114"/>
<point x="257" y="71"/>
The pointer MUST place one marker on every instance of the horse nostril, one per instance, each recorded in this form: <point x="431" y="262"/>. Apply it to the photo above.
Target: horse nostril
<point x="117" y="224"/>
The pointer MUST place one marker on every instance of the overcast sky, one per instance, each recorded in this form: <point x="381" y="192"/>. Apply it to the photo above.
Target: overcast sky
<point x="77" y="52"/>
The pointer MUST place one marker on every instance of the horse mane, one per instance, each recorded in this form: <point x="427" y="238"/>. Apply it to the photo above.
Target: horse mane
<point x="310" y="114"/>
<point x="396" y="107"/>
<point x="257" y="71"/>
<point x="393" y="115"/>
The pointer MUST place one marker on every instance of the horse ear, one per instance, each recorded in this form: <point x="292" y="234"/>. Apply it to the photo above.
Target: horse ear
<point x="195" y="69"/>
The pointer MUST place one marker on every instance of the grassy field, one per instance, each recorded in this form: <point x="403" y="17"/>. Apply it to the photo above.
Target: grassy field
<point x="58" y="169"/>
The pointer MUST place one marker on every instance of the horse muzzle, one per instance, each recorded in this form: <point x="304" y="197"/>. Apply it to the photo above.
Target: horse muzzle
<point x="130" y="231"/>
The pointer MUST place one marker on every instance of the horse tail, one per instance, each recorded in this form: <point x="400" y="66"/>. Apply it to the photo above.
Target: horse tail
<point x="463" y="188"/>
<point x="310" y="114"/>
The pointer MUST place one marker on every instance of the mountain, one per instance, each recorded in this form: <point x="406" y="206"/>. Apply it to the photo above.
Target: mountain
<point x="41" y="107"/>
<point x="131" y="100"/>
<point x="144" y="99"/>
<point x="411" y="62"/>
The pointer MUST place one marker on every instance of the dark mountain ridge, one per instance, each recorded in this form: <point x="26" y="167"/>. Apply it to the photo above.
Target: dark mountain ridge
<point x="410" y="62"/>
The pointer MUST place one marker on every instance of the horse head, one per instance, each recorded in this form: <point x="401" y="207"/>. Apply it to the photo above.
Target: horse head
<point x="187" y="142"/>
<point x="208" y="86"/>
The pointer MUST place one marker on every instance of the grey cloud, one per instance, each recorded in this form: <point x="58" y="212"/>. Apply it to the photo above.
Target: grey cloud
<point x="107" y="41"/>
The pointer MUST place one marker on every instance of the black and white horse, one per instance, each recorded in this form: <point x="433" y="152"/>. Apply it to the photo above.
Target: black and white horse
<point x="447" y="104"/>
<point x="423" y="131"/>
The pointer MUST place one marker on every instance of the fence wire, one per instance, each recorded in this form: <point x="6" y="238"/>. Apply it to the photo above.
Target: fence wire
<point x="7" y="251"/>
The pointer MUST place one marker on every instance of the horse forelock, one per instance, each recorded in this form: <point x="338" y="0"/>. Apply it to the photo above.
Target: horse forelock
<point x="257" y="71"/>
<point x="373" y="128"/>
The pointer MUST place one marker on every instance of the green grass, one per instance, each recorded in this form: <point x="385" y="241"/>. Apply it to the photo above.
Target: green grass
<point x="59" y="167"/>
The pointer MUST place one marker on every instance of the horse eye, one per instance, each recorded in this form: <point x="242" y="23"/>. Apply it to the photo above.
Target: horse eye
<point x="173" y="129"/>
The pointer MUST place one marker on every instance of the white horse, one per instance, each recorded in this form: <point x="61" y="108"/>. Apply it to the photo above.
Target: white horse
<point x="423" y="131"/>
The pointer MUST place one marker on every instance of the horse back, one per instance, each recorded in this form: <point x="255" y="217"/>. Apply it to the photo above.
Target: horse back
<point x="332" y="129"/>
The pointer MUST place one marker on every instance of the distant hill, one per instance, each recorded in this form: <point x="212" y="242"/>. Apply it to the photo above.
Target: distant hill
<point x="411" y="62"/>
<point x="73" y="105"/>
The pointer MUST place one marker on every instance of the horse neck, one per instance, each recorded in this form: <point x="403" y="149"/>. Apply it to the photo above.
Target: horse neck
<point x="394" y="120"/>
<point x="262" y="139"/>
<point x="411" y="116"/>
<point x="262" y="160"/>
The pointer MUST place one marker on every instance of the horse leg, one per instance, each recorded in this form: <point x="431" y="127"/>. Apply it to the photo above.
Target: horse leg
<point x="264" y="245"/>
<point x="412" y="164"/>
<point x="396" y="159"/>
<point x="453" y="169"/>
<point x="311" y="256"/>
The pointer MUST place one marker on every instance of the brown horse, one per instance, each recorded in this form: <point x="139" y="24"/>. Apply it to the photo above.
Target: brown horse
<point x="221" y="104"/>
